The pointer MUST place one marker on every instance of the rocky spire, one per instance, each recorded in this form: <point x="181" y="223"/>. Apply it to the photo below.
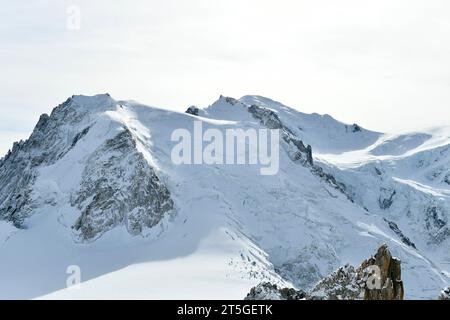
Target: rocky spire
<point x="390" y="277"/>
<point x="378" y="278"/>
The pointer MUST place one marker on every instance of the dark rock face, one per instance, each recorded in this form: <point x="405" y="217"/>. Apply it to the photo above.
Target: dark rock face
<point x="267" y="117"/>
<point x="378" y="171"/>
<point x="378" y="278"/>
<point x="118" y="185"/>
<point x="353" y="128"/>
<point x="229" y="100"/>
<point x="294" y="146"/>
<point x="356" y="128"/>
<point x="436" y="224"/>
<point x="16" y="178"/>
<point x="79" y="136"/>
<point x="119" y="188"/>
<point x="52" y="138"/>
<point x="445" y="294"/>
<point x="192" y="110"/>
<point x="309" y="156"/>
<point x="394" y="227"/>
<point x="331" y="180"/>
<point x="386" y="198"/>
<point x="268" y="291"/>
<point x="434" y="218"/>
<point x="346" y="283"/>
<point x="447" y="179"/>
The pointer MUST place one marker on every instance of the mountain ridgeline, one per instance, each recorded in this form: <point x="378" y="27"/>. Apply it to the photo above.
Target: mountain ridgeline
<point x="95" y="181"/>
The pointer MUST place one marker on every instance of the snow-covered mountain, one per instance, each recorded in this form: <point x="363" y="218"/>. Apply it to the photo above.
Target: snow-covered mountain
<point x="94" y="186"/>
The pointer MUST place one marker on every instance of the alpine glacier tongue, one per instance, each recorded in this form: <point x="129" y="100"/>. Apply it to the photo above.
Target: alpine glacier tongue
<point x="94" y="186"/>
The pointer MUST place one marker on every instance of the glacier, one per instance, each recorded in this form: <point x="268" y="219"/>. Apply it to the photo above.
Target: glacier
<point x="94" y="186"/>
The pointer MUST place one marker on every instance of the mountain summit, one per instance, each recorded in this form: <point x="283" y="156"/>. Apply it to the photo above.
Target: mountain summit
<point x="95" y="187"/>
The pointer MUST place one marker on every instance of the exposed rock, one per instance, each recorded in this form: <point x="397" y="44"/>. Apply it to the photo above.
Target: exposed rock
<point x="445" y="294"/>
<point x="229" y="100"/>
<point x="390" y="277"/>
<point x="79" y="136"/>
<point x="436" y="224"/>
<point x="378" y="171"/>
<point x="343" y="284"/>
<point x="52" y="138"/>
<point x="377" y="278"/>
<point x="434" y="218"/>
<point x="447" y="179"/>
<point x="394" y="227"/>
<point x="356" y="128"/>
<point x="331" y="180"/>
<point x="119" y="188"/>
<point x="118" y="185"/>
<point x="192" y="110"/>
<point x="294" y="146"/>
<point x="309" y="156"/>
<point x="268" y="291"/>
<point x="267" y="117"/>
<point x="386" y="198"/>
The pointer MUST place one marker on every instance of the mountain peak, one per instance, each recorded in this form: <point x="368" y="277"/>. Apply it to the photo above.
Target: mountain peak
<point x="96" y="173"/>
<point x="261" y="101"/>
<point x="95" y="101"/>
<point x="228" y="100"/>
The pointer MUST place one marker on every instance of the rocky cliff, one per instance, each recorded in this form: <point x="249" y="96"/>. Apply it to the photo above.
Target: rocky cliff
<point x="377" y="278"/>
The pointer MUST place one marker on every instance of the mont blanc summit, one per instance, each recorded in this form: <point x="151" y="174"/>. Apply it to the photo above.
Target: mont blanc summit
<point x="95" y="186"/>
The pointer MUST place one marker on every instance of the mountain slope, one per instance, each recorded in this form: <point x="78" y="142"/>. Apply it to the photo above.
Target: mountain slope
<point x="95" y="186"/>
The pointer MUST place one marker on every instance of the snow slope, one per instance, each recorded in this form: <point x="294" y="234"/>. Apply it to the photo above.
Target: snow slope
<point x="229" y="227"/>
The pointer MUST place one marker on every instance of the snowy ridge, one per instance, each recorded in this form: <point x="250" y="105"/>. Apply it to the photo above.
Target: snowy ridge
<point x="106" y="196"/>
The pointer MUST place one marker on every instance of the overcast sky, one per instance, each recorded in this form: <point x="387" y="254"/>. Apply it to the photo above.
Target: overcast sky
<point x="383" y="64"/>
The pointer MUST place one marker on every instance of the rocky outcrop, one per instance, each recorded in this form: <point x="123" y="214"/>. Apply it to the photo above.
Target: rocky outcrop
<point x="346" y="283"/>
<point x="267" y="117"/>
<point x="356" y="128"/>
<point x="353" y="128"/>
<point x="447" y="179"/>
<point x="294" y="146"/>
<point x="436" y="224"/>
<point x="52" y="138"/>
<point x="386" y="198"/>
<point x="268" y="291"/>
<point x="377" y="278"/>
<point x="394" y="227"/>
<point x="119" y="187"/>
<point x="331" y="180"/>
<point x="192" y="110"/>
<point x="445" y="294"/>
<point x="387" y="284"/>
